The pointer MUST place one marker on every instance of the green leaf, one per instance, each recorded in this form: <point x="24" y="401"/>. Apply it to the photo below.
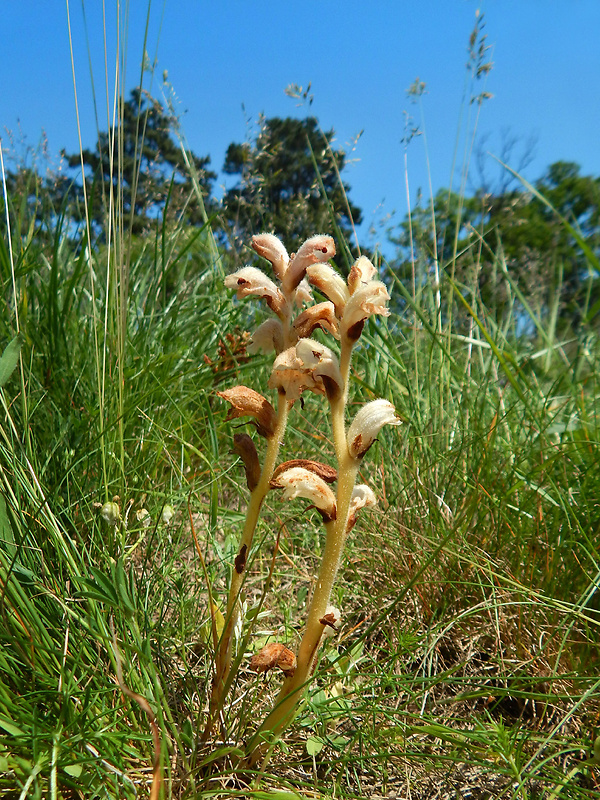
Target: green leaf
<point x="10" y="728"/>
<point x="314" y="745"/>
<point x="74" y="770"/>
<point x="10" y="358"/>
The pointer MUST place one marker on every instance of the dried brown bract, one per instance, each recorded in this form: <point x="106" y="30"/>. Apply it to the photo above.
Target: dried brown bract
<point x="274" y="655"/>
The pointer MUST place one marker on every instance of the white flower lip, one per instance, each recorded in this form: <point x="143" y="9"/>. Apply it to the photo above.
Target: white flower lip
<point x="300" y="482"/>
<point x="250" y="281"/>
<point x="367" y="423"/>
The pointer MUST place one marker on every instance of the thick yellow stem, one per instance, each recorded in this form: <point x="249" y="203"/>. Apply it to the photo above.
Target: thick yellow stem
<point x="293" y="687"/>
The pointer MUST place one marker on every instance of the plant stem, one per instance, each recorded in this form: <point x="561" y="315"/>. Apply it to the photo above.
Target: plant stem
<point x="224" y="651"/>
<point x="292" y="689"/>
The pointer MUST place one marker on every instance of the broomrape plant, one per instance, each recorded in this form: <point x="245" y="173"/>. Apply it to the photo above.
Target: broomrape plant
<point x="301" y="364"/>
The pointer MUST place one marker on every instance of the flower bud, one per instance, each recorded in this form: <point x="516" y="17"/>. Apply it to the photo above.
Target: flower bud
<point x="245" y="448"/>
<point x="271" y="248"/>
<point x="362" y="497"/>
<point x="167" y="514"/>
<point x="110" y="513"/>
<point x="300" y="482"/>
<point x="250" y="281"/>
<point x="267" y="337"/>
<point x="366" y="425"/>
<point x="316" y="249"/>
<point x="331" y="284"/>
<point x="246" y="402"/>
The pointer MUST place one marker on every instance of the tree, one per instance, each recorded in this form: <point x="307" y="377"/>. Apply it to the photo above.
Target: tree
<point x="541" y="253"/>
<point x="280" y="187"/>
<point x="144" y="162"/>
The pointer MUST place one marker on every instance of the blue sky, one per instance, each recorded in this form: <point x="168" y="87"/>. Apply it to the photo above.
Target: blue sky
<point x="229" y="61"/>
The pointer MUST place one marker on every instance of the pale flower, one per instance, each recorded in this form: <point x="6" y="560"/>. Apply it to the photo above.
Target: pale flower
<point x="321" y="315"/>
<point x="362" y="272"/>
<point x="270" y="247"/>
<point x="250" y="281"/>
<point x="368" y="299"/>
<point x="316" y="249"/>
<point x="323" y="364"/>
<point x="290" y="376"/>
<point x="331" y="284"/>
<point x="367" y="423"/>
<point x="267" y="337"/>
<point x="362" y="497"/>
<point x="300" y="482"/>
<point x="303" y="294"/>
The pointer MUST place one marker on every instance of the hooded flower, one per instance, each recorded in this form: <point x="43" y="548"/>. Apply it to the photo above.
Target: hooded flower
<point x="267" y="337"/>
<point x="323" y="364"/>
<point x="250" y="281"/>
<point x="331" y="284"/>
<point x="321" y="315"/>
<point x="246" y="402"/>
<point x="317" y="249"/>
<point x="300" y="482"/>
<point x="290" y="376"/>
<point x="368" y="299"/>
<point x="362" y="272"/>
<point x="367" y="423"/>
<point x="271" y="248"/>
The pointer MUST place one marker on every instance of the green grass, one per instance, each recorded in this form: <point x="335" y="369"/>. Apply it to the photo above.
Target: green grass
<point x="467" y="662"/>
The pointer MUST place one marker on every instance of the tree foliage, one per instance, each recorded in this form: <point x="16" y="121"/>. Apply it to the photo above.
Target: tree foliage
<point x="145" y="166"/>
<point x="288" y="182"/>
<point x="521" y="230"/>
